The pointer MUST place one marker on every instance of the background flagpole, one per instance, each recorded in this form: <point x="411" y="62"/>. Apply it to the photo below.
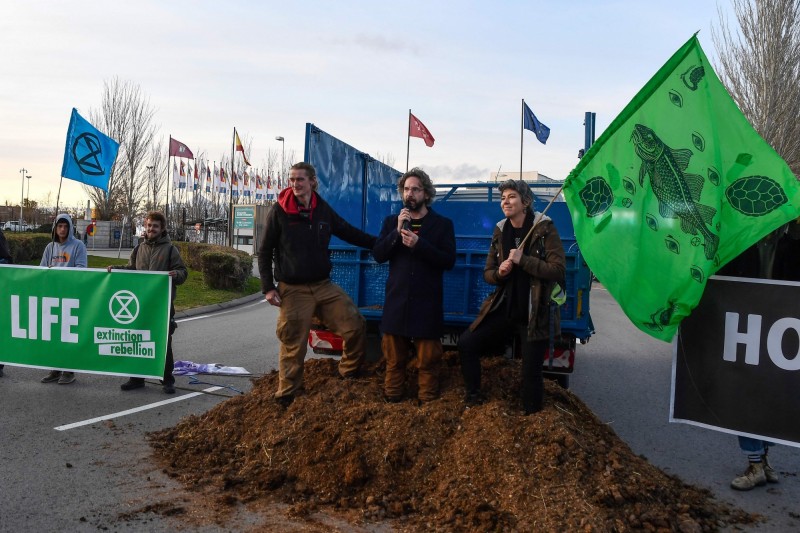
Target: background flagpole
<point x="408" y="138"/>
<point x="166" y="206"/>
<point x="230" y="181"/>
<point x="521" y="134"/>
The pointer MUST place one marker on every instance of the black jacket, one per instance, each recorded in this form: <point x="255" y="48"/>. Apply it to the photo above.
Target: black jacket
<point x="414" y="290"/>
<point x="5" y="251"/>
<point x="297" y="244"/>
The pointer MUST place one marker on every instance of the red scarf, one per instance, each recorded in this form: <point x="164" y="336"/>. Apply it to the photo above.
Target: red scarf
<point x="288" y="201"/>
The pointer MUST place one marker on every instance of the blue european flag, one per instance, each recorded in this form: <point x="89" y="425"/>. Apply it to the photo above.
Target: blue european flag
<point x="530" y="122"/>
<point x="89" y="154"/>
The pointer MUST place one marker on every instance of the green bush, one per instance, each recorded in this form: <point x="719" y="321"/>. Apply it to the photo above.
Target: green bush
<point x="225" y="270"/>
<point x="222" y="267"/>
<point x="27" y="246"/>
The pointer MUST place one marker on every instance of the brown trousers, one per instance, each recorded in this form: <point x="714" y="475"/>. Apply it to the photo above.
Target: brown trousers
<point x="397" y="351"/>
<point x="326" y="300"/>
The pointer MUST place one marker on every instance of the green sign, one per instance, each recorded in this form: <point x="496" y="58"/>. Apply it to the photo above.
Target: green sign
<point x="84" y="320"/>
<point x="243" y="217"/>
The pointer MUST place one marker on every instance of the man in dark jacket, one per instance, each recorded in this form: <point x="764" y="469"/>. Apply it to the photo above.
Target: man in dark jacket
<point x="157" y="253"/>
<point x="420" y="245"/>
<point x="296" y="236"/>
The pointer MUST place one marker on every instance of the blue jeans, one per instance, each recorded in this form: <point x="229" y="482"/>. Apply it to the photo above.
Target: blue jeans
<point x="750" y="445"/>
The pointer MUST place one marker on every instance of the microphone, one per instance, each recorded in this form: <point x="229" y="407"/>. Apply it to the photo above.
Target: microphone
<point x="406" y="223"/>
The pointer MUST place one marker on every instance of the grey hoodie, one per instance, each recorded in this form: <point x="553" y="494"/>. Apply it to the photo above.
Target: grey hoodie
<point x="71" y="253"/>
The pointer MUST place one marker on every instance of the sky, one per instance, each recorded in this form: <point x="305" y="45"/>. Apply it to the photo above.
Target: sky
<point x="352" y="68"/>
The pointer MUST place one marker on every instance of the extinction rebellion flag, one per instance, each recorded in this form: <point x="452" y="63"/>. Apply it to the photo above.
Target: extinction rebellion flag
<point x="678" y="185"/>
<point x="89" y="154"/>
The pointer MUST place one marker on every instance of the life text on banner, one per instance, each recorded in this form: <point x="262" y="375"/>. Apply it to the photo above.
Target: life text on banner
<point x="84" y="320"/>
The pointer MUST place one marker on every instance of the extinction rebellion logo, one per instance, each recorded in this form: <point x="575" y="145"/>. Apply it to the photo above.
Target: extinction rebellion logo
<point x="86" y="151"/>
<point x="124" y="309"/>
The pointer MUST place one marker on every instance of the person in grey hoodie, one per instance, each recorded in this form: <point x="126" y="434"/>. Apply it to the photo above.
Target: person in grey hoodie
<point x="64" y="251"/>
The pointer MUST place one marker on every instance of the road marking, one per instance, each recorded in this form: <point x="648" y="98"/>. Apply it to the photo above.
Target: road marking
<point x="134" y="410"/>
<point x="237" y="308"/>
<point x="192" y="318"/>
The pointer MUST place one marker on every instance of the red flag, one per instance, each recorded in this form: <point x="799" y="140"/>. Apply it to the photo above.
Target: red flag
<point x="239" y="147"/>
<point x="178" y="149"/>
<point x="418" y="129"/>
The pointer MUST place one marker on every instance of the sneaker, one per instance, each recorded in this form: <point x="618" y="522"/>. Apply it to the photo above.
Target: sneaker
<point x="52" y="377"/>
<point x="753" y="477"/>
<point x="168" y="388"/>
<point x="66" y="378"/>
<point x="132" y="383"/>
<point x="769" y="472"/>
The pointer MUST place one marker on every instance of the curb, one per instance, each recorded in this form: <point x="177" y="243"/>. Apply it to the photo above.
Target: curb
<point x="218" y="307"/>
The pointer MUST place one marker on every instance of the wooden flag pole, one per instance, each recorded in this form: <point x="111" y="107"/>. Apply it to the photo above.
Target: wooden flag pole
<point x="522" y="243"/>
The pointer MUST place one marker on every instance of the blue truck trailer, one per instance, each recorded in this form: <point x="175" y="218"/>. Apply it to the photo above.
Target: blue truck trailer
<point x="363" y="190"/>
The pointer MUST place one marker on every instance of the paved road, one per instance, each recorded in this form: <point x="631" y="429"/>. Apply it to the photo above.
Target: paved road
<point x="99" y="475"/>
<point x="624" y="376"/>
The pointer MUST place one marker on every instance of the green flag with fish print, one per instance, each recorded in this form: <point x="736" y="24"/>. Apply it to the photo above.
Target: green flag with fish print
<point x="678" y="185"/>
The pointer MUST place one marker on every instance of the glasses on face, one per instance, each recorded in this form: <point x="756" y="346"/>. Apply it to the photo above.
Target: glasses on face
<point x="412" y="190"/>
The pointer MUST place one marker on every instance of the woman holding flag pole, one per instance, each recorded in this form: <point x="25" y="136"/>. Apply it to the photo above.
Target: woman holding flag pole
<point x="527" y="264"/>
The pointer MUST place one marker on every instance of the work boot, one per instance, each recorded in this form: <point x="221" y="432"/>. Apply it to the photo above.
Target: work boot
<point x="133" y="383"/>
<point x="284" y="401"/>
<point x="473" y="399"/>
<point x="769" y="472"/>
<point x="52" y="377"/>
<point x="66" y="378"/>
<point x="753" y="477"/>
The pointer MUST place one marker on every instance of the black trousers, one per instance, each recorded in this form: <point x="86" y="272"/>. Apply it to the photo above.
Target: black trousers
<point x="493" y="332"/>
<point x="169" y="365"/>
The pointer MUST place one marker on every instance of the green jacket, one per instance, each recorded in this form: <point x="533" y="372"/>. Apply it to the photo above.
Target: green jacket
<point x="159" y="255"/>
<point x="544" y="260"/>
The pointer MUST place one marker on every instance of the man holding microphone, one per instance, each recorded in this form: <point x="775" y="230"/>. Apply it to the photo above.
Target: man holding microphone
<point x="420" y="245"/>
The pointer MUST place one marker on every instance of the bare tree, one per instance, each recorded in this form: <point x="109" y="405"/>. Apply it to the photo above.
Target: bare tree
<point x="760" y="66"/>
<point x="158" y="176"/>
<point x="387" y="158"/>
<point x="125" y="114"/>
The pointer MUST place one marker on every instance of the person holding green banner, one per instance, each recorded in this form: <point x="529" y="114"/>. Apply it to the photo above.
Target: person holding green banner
<point x="65" y="251"/>
<point x="526" y="260"/>
<point x="157" y="253"/>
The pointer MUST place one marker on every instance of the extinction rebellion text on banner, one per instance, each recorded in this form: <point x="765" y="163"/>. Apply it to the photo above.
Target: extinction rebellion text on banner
<point x="84" y="320"/>
<point x="736" y="366"/>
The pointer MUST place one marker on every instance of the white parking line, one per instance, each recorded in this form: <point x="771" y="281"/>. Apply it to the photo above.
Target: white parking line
<point x="134" y="410"/>
<point x="245" y="306"/>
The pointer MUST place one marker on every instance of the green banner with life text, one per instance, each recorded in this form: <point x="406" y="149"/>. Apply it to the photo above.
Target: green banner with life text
<point x="84" y="320"/>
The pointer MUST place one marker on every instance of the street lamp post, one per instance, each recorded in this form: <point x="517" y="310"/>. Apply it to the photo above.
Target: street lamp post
<point x="28" y="196"/>
<point x="279" y="138"/>
<point x="22" y="171"/>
